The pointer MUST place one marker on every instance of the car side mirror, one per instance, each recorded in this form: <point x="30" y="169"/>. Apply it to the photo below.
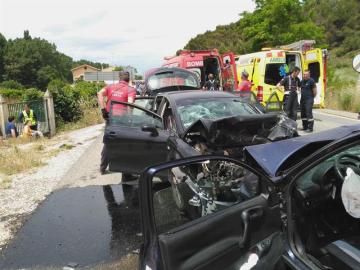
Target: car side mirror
<point x="150" y="128"/>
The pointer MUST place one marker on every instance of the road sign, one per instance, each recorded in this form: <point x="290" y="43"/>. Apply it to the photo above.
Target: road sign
<point x="356" y="63"/>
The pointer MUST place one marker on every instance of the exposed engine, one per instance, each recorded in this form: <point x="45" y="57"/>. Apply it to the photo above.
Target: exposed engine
<point x="218" y="184"/>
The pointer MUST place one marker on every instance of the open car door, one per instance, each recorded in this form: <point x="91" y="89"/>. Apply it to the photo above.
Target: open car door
<point x="230" y="217"/>
<point x="229" y="77"/>
<point x="315" y="64"/>
<point x="134" y="138"/>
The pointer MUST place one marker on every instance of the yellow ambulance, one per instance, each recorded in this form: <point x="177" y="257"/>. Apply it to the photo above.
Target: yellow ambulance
<point x="268" y="67"/>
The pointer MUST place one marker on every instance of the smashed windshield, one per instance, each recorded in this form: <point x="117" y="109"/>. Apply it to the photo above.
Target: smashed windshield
<point x="192" y="110"/>
<point x="173" y="78"/>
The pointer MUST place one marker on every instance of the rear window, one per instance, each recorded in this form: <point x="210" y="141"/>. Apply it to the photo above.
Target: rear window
<point x="273" y="73"/>
<point x="173" y="78"/>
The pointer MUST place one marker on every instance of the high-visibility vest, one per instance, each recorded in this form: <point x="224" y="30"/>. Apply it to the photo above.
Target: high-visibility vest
<point x="29" y="117"/>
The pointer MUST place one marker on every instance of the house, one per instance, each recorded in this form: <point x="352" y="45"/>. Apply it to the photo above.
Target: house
<point x="78" y="72"/>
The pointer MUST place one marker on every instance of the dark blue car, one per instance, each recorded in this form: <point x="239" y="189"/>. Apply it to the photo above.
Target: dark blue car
<point x="278" y="207"/>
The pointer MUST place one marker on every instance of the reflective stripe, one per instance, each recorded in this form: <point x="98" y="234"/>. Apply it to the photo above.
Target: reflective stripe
<point x="348" y="249"/>
<point x="311" y="120"/>
<point x="304" y="119"/>
<point x="27" y="117"/>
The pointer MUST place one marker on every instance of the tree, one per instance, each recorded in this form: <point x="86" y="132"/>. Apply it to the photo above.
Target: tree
<point x="34" y="62"/>
<point x="273" y="23"/>
<point x="3" y="42"/>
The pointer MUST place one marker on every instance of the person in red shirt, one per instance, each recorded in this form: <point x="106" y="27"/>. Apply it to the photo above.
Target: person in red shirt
<point x="122" y="92"/>
<point x="245" y="84"/>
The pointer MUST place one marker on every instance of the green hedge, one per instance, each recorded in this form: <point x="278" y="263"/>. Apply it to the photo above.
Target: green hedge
<point x="21" y="95"/>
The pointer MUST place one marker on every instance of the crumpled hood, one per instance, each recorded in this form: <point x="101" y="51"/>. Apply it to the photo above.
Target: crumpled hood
<point x="243" y="130"/>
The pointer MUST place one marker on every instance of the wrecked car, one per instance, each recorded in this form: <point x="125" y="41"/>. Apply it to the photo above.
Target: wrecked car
<point x="186" y="124"/>
<point x="290" y="204"/>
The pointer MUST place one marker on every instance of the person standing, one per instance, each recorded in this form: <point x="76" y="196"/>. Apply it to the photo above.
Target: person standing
<point x="291" y="84"/>
<point x="28" y="115"/>
<point x="245" y="84"/>
<point x="308" y="93"/>
<point x="211" y="84"/>
<point x="120" y="91"/>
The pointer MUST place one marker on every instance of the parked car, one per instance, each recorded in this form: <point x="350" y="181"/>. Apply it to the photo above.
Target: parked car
<point x="280" y="207"/>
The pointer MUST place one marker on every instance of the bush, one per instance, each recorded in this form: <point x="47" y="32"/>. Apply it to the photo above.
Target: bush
<point x="88" y="90"/>
<point x="66" y="102"/>
<point x="32" y="94"/>
<point x="22" y="95"/>
<point x="12" y="93"/>
<point x="11" y="84"/>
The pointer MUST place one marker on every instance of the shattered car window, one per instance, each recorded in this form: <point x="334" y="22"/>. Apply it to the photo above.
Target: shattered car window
<point x="167" y="79"/>
<point x="192" y="110"/>
<point x="126" y="116"/>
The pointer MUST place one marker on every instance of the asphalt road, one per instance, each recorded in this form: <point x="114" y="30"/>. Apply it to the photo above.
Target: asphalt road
<point x="91" y="218"/>
<point x="324" y="121"/>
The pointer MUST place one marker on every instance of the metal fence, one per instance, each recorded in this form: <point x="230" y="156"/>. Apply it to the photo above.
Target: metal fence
<point x="40" y="109"/>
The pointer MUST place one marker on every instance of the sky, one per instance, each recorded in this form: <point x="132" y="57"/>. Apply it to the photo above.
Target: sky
<point x="139" y="33"/>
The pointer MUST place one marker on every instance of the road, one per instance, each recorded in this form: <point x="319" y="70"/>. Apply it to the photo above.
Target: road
<point x="92" y="219"/>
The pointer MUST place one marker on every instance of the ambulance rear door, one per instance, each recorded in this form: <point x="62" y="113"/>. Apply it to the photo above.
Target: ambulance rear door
<point x="313" y="61"/>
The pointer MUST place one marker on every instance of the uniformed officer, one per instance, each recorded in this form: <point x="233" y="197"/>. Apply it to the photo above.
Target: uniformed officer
<point x="291" y="84"/>
<point x="308" y="93"/>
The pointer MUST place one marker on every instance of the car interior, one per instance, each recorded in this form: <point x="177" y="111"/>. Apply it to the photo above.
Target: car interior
<point x="330" y="235"/>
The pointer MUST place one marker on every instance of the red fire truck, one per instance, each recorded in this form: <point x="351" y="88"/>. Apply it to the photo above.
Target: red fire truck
<point x="205" y="62"/>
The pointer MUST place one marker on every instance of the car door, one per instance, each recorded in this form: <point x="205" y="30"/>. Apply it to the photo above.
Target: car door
<point x="134" y="138"/>
<point x="313" y="61"/>
<point x="209" y="233"/>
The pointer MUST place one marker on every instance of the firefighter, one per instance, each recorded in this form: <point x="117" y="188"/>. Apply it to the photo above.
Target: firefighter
<point x="211" y="84"/>
<point x="308" y="93"/>
<point x="28" y="115"/>
<point x="291" y="83"/>
<point x="120" y="91"/>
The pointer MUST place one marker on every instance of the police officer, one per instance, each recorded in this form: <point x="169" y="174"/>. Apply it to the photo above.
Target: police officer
<point x="291" y="84"/>
<point x="120" y="91"/>
<point x="308" y="93"/>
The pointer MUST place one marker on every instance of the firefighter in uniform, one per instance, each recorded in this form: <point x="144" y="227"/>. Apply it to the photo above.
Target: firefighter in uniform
<point x="122" y="92"/>
<point x="28" y="115"/>
<point x="308" y="93"/>
<point x="291" y="84"/>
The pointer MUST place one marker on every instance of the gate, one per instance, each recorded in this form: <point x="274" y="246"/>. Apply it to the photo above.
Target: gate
<point x="40" y="109"/>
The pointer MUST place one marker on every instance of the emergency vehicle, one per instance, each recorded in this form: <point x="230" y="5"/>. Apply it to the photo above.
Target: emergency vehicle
<point x="268" y="67"/>
<point x="204" y="62"/>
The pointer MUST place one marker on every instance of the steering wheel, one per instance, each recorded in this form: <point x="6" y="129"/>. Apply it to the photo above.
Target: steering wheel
<point x="345" y="161"/>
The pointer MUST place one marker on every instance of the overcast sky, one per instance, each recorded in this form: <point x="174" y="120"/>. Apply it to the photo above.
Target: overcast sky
<point x="119" y="32"/>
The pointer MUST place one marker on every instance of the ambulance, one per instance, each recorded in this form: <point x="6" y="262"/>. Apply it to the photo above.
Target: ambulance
<point x="268" y="67"/>
<point x="203" y="62"/>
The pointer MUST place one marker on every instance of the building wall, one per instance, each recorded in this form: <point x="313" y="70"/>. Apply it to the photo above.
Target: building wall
<point x="77" y="73"/>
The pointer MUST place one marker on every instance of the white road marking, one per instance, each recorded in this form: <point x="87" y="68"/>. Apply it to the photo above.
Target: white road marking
<point x="334" y="115"/>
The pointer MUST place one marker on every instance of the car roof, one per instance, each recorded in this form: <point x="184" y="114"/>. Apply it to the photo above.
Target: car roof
<point x="196" y="94"/>
<point x="282" y="155"/>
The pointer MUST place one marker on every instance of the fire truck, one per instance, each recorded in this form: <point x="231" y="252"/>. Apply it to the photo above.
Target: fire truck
<point x="267" y="67"/>
<point x="204" y="62"/>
